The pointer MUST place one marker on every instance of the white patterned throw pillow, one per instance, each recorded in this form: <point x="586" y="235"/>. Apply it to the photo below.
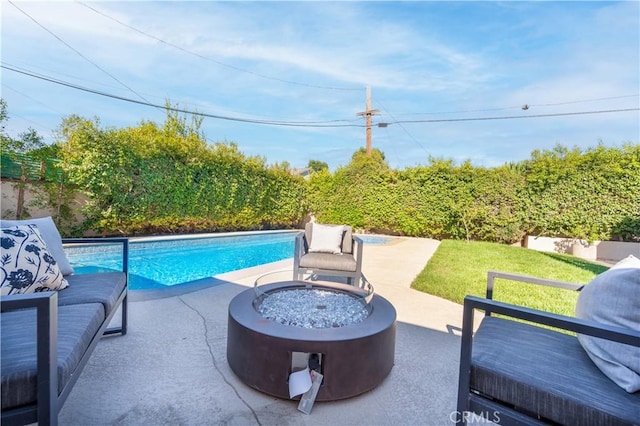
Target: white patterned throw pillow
<point x="26" y="264"/>
<point x="51" y="236"/>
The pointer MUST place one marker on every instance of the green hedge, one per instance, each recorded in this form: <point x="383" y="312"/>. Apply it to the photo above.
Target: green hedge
<point x="167" y="178"/>
<point x="151" y="179"/>
<point x="591" y="195"/>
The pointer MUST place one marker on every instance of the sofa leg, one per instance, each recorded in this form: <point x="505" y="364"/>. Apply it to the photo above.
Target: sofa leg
<point x="122" y="330"/>
<point x="124" y="315"/>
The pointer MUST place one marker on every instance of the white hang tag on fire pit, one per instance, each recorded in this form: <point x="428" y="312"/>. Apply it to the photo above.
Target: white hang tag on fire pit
<point x="309" y="397"/>
<point x="299" y="382"/>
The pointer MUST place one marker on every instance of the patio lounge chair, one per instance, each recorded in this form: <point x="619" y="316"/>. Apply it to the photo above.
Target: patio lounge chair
<point x="518" y="373"/>
<point x="335" y="251"/>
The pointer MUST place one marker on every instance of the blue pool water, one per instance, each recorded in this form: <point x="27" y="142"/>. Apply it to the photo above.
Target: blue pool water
<point x="374" y="239"/>
<point x="161" y="263"/>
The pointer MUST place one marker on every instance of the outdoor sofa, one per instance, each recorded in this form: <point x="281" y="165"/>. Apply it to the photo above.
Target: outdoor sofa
<point x="513" y="372"/>
<point x="47" y="338"/>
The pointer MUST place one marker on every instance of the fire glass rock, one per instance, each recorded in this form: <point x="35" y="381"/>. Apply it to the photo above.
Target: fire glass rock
<point x="313" y="308"/>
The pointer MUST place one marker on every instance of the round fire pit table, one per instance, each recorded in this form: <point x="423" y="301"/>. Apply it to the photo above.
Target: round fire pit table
<point x="353" y="358"/>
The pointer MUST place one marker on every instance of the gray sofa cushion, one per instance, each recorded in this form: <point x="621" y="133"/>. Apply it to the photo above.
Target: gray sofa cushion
<point x="77" y="325"/>
<point x="328" y="261"/>
<point x="93" y="288"/>
<point x="543" y="371"/>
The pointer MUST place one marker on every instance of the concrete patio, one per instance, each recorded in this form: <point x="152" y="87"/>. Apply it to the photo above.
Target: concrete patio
<point x="171" y="367"/>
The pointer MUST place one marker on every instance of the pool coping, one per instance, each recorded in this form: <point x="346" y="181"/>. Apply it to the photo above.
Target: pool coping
<point x="152" y="238"/>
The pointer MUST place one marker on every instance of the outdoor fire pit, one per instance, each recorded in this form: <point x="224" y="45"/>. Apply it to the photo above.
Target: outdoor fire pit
<point x="345" y="333"/>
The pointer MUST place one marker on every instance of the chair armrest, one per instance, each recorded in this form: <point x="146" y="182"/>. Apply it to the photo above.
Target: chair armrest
<point x="114" y="240"/>
<point x="492" y="275"/>
<point x="46" y="305"/>
<point x="300" y="245"/>
<point x="357" y="240"/>
<point x="577" y="325"/>
<point x="358" y="244"/>
<point x="298" y="251"/>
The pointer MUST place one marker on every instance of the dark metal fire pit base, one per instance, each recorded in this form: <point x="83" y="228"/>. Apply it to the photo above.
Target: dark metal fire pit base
<point x="355" y="358"/>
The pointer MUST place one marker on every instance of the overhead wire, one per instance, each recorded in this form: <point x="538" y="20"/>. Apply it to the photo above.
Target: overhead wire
<point x="30" y="98"/>
<point x="586" y="100"/>
<point x="330" y="123"/>
<point x="318" y="124"/>
<point x="521" y="106"/>
<point x="77" y="51"/>
<point x="198" y="55"/>
<point x="288" y="123"/>
<point x="55" y="74"/>
<point x="34" y="122"/>
<point x="402" y="127"/>
<point x="511" y="117"/>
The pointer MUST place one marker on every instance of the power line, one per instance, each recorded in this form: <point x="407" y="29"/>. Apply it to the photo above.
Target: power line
<point x="182" y="49"/>
<point x="520" y="106"/>
<point x="31" y="98"/>
<point x="321" y="124"/>
<point x="403" y="128"/>
<point x="34" y="122"/>
<point x="77" y="51"/>
<point x="558" y="114"/>
<point x="587" y="100"/>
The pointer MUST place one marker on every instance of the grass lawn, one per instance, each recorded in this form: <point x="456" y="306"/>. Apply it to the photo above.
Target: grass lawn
<point x="459" y="268"/>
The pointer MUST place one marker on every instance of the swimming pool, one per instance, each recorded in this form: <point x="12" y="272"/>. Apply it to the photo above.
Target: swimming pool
<point x="374" y="239"/>
<point x="166" y="262"/>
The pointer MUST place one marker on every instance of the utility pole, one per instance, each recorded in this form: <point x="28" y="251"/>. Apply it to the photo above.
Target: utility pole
<point x="368" y="113"/>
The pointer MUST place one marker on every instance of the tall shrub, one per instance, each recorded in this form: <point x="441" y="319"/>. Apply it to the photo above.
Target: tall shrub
<point x="162" y="179"/>
<point x="590" y="195"/>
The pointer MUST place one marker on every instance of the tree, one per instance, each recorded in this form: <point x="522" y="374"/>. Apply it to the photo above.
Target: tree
<point x="316" y="165"/>
<point x="3" y="115"/>
<point x="29" y="160"/>
<point x="27" y="141"/>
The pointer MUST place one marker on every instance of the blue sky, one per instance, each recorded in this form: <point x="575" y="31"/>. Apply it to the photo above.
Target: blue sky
<point x="310" y="62"/>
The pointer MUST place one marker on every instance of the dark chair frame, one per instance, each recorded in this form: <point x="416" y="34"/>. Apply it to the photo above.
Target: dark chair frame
<point x="472" y="402"/>
<point x="49" y="401"/>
